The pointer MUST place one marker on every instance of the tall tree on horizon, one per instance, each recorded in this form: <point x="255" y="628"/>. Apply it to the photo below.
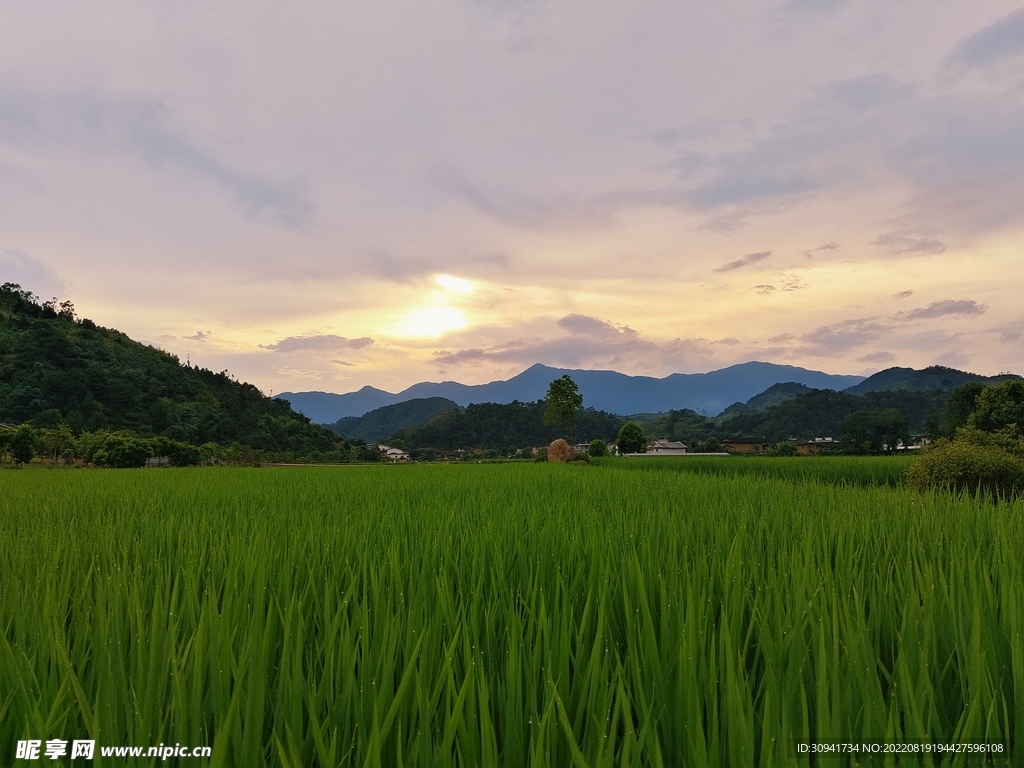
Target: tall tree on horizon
<point x="563" y="402"/>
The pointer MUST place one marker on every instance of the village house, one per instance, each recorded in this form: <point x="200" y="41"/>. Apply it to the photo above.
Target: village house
<point x="745" y="445"/>
<point x="393" y="454"/>
<point x="816" y="445"/>
<point x="666" y="448"/>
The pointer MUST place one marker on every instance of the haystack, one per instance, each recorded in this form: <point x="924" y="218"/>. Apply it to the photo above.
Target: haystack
<point x="559" y="451"/>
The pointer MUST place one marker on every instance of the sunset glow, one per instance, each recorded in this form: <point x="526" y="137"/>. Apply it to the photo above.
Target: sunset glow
<point x="389" y="194"/>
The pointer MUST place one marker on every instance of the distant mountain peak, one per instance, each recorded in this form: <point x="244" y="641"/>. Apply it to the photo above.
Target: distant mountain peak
<point x="609" y="391"/>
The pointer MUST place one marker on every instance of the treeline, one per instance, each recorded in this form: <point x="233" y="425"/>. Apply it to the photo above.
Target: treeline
<point x="501" y="427"/>
<point x="57" y="369"/>
<point x="823" y="412"/>
<point x="60" y="446"/>
<point x="818" y="413"/>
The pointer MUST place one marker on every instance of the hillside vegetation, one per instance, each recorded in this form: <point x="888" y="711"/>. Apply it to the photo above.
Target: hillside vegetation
<point x="502" y="427"/>
<point x="56" y="368"/>
<point x="384" y="422"/>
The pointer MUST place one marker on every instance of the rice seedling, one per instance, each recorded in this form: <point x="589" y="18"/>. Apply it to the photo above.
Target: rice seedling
<point x="504" y="615"/>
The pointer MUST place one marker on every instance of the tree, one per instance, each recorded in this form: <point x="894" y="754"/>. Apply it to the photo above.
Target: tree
<point x="597" y="448"/>
<point x="959" y="407"/>
<point x="23" y="444"/>
<point x="58" y="441"/>
<point x="562" y="403"/>
<point x="631" y="438"/>
<point x="1000" y="407"/>
<point x="876" y="431"/>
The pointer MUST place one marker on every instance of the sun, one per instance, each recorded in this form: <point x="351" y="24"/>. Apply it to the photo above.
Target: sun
<point x="431" y="322"/>
<point x="454" y="284"/>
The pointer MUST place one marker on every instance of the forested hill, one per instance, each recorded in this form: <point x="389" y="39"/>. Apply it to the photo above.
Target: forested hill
<point x="822" y="412"/>
<point x="502" y="426"/>
<point x="56" y="368"/>
<point x="384" y="422"/>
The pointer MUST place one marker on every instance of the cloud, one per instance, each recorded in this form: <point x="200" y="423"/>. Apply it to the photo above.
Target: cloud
<point x="97" y="122"/>
<point x="590" y="343"/>
<point x="591" y="326"/>
<point x="943" y="309"/>
<point x="509" y="205"/>
<point x="903" y="294"/>
<point x="877" y="357"/>
<point x="342" y="362"/>
<point x="953" y="359"/>
<point x="318" y="342"/>
<point x="764" y="290"/>
<point x="831" y="245"/>
<point x="838" y="338"/>
<point x="16" y="266"/>
<point x="1001" y="40"/>
<point x="199" y="336"/>
<point x="299" y="373"/>
<point x="800" y="7"/>
<point x="750" y="258"/>
<point x="909" y="244"/>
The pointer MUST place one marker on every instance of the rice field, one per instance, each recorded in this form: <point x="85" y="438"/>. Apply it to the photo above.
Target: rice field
<point x="837" y="470"/>
<point x="504" y="615"/>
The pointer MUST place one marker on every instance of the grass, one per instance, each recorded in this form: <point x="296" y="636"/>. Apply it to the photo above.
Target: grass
<point x="504" y="615"/>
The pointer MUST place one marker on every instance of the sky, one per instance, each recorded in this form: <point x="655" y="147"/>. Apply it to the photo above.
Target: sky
<point x="321" y="196"/>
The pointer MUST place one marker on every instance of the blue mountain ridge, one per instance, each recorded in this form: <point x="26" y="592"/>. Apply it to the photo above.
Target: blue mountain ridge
<point x="618" y="393"/>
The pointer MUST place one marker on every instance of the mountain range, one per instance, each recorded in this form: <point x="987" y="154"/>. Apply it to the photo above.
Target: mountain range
<point x="610" y="391"/>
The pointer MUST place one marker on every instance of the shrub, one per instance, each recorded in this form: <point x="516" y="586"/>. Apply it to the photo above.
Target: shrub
<point x="597" y="448"/>
<point x="559" y="451"/>
<point x="959" y="465"/>
<point x="785" y="448"/>
<point x="122" y="451"/>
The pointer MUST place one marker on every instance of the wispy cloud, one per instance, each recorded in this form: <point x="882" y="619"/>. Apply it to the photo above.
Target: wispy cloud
<point x="900" y="244"/>
<point x="838" y="338"/>
<point x="877" y="357"/>
<point x="97" y="122"/>
<point x="1001" y="40"/>
<point x="943" y="309"/>
<point x="317" y="343"/>
<point x="17" y="266"/>
<point x="591" y="343"/>
<point x="591" y="326"/>
<point x="746" y="261"/>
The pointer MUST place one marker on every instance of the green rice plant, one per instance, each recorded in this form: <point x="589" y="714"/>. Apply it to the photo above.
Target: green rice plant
<point x="504" y="615"/>
<point x="837" y="470"/>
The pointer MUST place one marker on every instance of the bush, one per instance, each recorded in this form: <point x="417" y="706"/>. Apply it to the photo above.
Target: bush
<point x="122" y="451"/>
<point x="959" y="465"/>
<point x="785" y="448"/>
<point x="597" y="448"/>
